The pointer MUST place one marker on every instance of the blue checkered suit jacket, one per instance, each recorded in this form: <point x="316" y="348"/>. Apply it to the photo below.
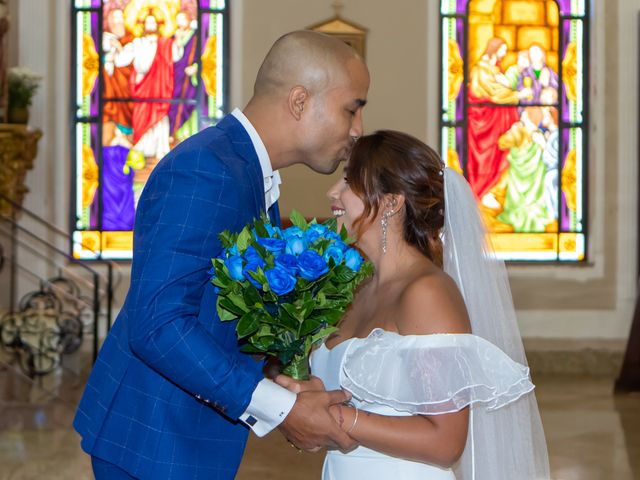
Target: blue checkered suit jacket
<point x="169" y="383"/>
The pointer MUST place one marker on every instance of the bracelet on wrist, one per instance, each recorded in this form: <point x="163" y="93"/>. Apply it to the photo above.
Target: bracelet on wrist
<point x="355" y="420"/>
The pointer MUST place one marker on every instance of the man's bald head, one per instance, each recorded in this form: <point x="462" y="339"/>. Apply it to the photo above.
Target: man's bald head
<point x="309" y="59"/>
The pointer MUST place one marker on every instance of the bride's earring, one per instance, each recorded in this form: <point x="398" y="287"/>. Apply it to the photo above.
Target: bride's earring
<point x="384" y="221"/>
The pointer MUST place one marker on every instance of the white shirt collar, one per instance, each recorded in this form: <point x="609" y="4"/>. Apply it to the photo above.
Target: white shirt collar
<point x="271" y="178"/>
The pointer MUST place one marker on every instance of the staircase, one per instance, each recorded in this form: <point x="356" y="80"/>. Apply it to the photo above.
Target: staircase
<point x="54" y="308"/>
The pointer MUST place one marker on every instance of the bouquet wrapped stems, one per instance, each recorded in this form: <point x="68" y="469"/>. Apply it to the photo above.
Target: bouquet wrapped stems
<point x="286" y="289"/>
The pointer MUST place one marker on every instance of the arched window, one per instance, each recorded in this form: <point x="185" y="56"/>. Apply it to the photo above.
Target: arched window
<point x="514" y="117"/>
<point x="146" y="74"/>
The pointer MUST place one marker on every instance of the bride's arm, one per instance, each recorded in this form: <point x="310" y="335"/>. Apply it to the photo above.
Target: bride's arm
<point x="436" y="439"/>
<point x="430" y="305"/>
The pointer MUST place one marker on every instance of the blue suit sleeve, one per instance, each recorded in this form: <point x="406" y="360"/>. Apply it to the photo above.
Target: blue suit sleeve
<point x="187" y="202"/>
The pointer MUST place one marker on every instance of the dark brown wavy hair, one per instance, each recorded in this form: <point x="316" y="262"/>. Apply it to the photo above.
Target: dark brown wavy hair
<point x="389" y="162"/>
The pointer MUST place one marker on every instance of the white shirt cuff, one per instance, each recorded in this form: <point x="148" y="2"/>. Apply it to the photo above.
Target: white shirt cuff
<point x="270" y="404"/>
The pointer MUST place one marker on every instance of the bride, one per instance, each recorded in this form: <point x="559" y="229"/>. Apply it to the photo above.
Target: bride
<point x="430" y="349"/>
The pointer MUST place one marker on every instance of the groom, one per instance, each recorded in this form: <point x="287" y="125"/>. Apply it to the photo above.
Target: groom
<point x="170" y="395"/>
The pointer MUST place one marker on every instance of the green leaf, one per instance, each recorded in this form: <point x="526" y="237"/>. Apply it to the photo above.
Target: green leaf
<point x="310" y="325"/>
<point x="321" y="245"/>
<point x="330" y="317"/>
<point x="261" y="230"/>
<point x="344" y="235"/>
<point x="223" y="314"/>
<point x="322" y="334"/>
<point x="227" y="304"/>
<point x="298" y="220"/>
<point x="244" y="238"/>
<point x="292" y="311"/>
<point x="263" y="342"/>
<point x="344" y="274"/>
<point x="332" y="224"/>
<point x="238" y="300"/>
<point x="251" y="297"/>
<point x="287" y="320"/>
<point x="308" y="307"/>
<point x="248" y="324"/>
<point x="226" y="239"/>
<point x="248" y="348"/>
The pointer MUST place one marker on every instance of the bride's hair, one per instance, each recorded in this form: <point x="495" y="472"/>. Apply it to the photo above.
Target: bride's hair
<point x="390" y="162"/>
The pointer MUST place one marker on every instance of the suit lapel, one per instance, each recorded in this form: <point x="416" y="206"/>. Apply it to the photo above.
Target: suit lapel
<point x="274" y="215"/>
<point x="244" y="148"/>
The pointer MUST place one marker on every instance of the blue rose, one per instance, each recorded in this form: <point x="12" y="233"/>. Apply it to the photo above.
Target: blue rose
<point x="337" y="242"/>
<point x="252" y="267"/>
<point x="311" y="265"/>
<point x="234" y="265"/>
<point x="315" y="231"/>
<point x="292" y="232"/>
<point x="272" y="231"/>
<point x="353" y="259"/>
<point x="334" y="251"/>
<point x="333" y="236"/>
<point x="274" y="245"/>
<point x="280" y="280"/>
<point x="288" y="262"/>
<point x="295" y="245"/>
<point x="252" y="255"/>
<point x="232" y="251"/>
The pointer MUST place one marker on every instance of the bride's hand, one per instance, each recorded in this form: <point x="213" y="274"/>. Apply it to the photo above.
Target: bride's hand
<point x="344" y="416"/>
<point x="297" y="386"/>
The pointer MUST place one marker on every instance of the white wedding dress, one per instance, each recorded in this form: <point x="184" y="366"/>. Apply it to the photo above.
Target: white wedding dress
<point x="396" y="375"/>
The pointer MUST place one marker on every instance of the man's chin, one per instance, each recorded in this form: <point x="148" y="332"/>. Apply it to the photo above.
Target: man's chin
<point x="325" y="169"/>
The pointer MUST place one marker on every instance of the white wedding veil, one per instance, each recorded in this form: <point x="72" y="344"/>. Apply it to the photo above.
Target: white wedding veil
<point x="507" y="443"/>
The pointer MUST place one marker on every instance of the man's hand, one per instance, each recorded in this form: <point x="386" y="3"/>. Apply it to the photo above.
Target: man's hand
<point x="310" y="424"/>
<point x="297" y="386"/>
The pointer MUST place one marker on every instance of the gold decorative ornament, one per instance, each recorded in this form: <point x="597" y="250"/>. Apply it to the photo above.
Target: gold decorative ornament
<point x="569" y="180"/>
<point x="453" y="161"/>
<point x="18" y="149"/>
<point x="455" y="69"/>
<point x="90" y="64"/>
<point x="570" y="71"/>
<point x="90" y="176"/>
<point x="210" y="66"/>
<point x="349" y="32"/>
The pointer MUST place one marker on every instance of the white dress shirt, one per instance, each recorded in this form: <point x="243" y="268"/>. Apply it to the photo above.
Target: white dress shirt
<point x="270" y="403"/>
<point x="272" y="179"/>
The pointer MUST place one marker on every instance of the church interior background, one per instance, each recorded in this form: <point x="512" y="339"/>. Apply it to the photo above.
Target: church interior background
<point x="535" y="101"/>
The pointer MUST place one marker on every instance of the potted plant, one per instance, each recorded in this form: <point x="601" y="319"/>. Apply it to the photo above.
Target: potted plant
<point x="23" y="84"/>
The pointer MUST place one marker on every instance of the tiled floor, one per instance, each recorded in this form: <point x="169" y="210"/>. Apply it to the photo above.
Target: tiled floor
<point x="592" y="433"/>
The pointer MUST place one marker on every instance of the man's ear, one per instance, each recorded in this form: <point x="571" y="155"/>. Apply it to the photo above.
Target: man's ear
<point x="297" y="101"/>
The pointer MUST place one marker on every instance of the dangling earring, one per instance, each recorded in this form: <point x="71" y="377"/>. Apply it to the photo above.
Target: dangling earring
<point x="384" y="221"/>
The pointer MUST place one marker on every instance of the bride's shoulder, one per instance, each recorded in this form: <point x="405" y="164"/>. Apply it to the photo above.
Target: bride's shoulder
<point x="432" y="303"/>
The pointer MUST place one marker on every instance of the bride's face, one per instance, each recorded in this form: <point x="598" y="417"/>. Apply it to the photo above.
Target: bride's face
<point x="346" y="206"/>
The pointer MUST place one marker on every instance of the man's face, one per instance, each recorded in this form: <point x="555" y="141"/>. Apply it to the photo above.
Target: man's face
<point x="115" y="22"/>
<point x="150" y="24"/>
<point x="182" y="21"/>
<point x="502" y="51"/>
<point x="334" y="119"/>
<point x="536" y="54"/>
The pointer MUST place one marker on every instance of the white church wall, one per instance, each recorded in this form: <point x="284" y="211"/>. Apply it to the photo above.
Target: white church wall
<point x="587" y="301"/>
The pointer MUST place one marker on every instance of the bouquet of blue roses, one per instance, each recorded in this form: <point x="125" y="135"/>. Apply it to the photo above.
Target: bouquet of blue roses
<point x="286" y="288"/>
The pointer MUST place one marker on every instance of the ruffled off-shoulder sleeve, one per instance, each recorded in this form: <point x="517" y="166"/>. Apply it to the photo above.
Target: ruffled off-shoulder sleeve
<point x="432" y="374"/>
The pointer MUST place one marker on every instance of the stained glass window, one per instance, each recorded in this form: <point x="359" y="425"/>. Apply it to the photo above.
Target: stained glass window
<point x="514" y="113"/>
<point x="146" y="75"/>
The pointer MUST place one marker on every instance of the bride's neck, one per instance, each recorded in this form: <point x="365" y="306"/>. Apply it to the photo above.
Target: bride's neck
<point x="398" y="259"/>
